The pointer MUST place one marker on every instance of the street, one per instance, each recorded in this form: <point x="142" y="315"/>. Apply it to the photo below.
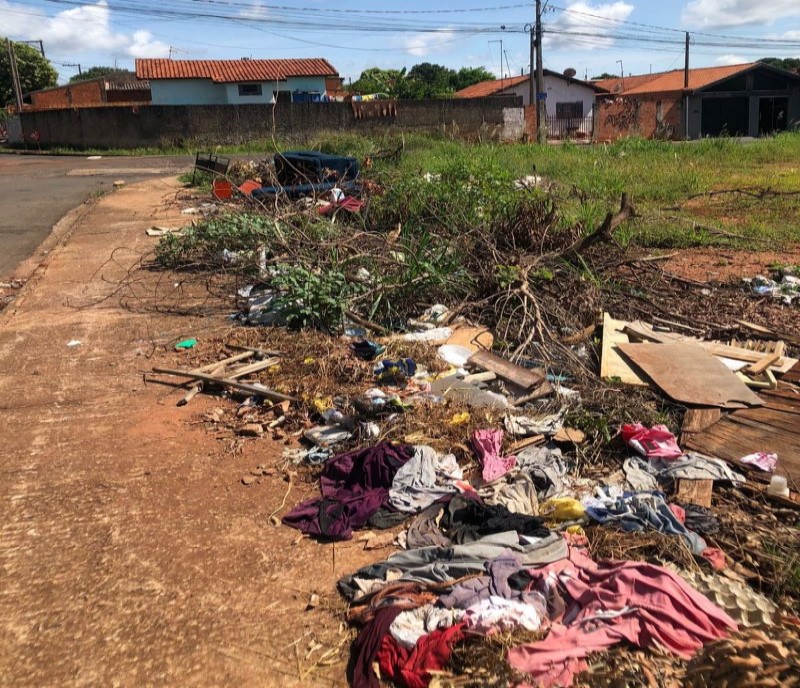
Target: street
<point x="37" y="190"/>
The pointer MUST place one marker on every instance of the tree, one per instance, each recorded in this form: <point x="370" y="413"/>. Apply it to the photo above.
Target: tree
<point x="35" y="72"/>
<point x="604" y="75"/>
<point x="97" y="72"/>
<point x="467" y="76"/>
<point x="377" y="80"/>
<point x="424" y="80"/>
<point x="791" y="64"/>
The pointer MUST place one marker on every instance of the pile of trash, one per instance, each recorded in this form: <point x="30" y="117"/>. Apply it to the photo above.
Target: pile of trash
<point x="579" y="489"/>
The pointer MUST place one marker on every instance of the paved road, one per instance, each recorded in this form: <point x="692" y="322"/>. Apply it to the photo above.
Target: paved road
<point x="36" y="191"/>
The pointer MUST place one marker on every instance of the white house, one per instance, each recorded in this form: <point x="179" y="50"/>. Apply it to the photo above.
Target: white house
<point x="569" y="100"/>
<point x="237" y="82"/>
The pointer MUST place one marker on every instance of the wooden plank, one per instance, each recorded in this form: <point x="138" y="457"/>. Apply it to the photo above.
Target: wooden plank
<point x="698" y="419"/>
<point x="256" y="390"/>
<point x="689" y="374"/>
<point x="612" y="365"/>
<point x="523" y="377"/>
<point x="760" y="366"/>
<point x="695" y="492"/>
<point x="792" y="339"/>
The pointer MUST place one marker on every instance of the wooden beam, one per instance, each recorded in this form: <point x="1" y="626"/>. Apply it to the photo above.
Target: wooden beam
<point x="256" y="390"/>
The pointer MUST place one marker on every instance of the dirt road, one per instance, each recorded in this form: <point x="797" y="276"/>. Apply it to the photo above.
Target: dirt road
<point x="130" y="551"/>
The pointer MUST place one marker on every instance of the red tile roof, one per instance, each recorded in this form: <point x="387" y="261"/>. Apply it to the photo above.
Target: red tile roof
<point x="490" y="88"/>
<point x="231" y="71"/>
<point x="665" y="82"/>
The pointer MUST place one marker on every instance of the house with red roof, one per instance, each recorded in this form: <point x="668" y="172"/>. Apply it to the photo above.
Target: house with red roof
<point x="235" y="82"/>
<point x="569" y="101"/>
<point x="751" y="99"/>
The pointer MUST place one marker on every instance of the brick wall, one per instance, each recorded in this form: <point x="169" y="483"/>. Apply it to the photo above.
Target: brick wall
<point x="648" y="116"/>
<point x="530" y="123"/>
<point x="158" y="125"/>
<point x="83" y="94"/>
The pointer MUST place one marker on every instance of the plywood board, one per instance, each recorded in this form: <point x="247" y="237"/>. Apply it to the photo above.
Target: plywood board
<point x="689" y="374"/>
<point x="639" y="331"/>
<point x="612" y="365"/>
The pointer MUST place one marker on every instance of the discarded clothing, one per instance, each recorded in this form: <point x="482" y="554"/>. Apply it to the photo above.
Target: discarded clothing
<point x="366" y="647"/>
<point x="411" y="668"/>
<point x="367" y="350"/>
<point x="695" y="467"/>
<point x="425" y="478"/>
<point x="641" y="511"/>
<point x="639" y="475"/>
<point x="498" y="613"/>
<point x="524" y="426"/>
<point x="547" y="469"/>
<point x="354" y="486"/>
<point x="487" y="445"/>
<point x="517" y="494"/>
<point x="761" y="460"/>
<point x="467" y="519"/>
<point x="700" y="520"/>
<point x="395" y="372"/>
<point x="424" y="530"/>
<point x="445" y="564"/>
<point x="411" y="625"/>
<point x="609" y="602"/>
<point x="495" y="583"/>
<point x="657" y="441"/>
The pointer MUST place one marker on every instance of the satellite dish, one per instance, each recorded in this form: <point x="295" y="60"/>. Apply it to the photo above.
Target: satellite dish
<point x="569" y="73"/>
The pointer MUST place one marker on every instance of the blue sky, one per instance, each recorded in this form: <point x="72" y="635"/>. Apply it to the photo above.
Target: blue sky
<point x="589" y="36"/>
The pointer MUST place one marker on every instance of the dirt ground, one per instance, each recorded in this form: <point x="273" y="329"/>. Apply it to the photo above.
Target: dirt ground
<point x="131" y="553"/>
<point x="725" y="265"/>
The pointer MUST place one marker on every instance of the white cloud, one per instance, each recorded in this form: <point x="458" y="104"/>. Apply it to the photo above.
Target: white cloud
<point x="79" y="30"/>
<point x="731" y="59"/>
<point x="423" y="43"/>
<point x="586" y="18"/>
<point x="720" y="13"/>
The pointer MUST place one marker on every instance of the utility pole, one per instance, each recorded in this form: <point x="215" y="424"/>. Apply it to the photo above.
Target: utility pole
<point x="686" y="64"/>
<point x="541" y="105"/>
<point x="12" y="60"/>
<point x="686" y="90"/>
<point x="531" y="85"/>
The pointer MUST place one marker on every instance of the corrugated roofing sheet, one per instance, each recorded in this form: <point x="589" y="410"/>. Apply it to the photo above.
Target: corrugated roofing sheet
<point x="230" y="71"/>
<point x="665" y="82"/>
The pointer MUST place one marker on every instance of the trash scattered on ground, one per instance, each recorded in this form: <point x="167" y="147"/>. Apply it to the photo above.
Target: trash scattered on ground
<point x="564" y="458"/>
<point x="186" y="344"/>
<point x="119" y="183"/>
<point x="74" y="342"/>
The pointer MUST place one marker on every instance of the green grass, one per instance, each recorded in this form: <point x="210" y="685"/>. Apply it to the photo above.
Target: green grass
<point x="659" y="176"/>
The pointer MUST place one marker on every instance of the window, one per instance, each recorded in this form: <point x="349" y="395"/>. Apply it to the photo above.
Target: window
<point x="249" y="89"/>
<point x="282" y="96"/>
<point x="569" y="110"/>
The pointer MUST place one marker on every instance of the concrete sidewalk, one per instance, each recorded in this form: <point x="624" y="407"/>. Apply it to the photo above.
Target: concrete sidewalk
<point x="130" y="552"/>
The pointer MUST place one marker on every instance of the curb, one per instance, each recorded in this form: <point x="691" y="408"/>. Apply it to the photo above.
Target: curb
<point x="32" y="270"/>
